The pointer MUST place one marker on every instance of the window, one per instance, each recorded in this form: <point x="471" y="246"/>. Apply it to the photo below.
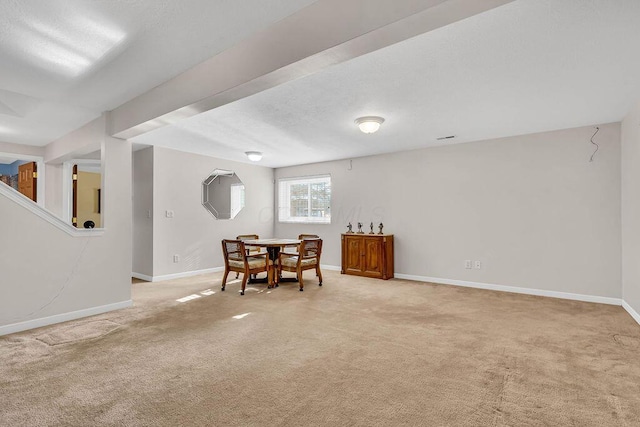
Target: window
<point x="305" y="199"/>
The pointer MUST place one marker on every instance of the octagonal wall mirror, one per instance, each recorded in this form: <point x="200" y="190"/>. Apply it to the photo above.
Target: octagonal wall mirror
<point x="223" y="194"/>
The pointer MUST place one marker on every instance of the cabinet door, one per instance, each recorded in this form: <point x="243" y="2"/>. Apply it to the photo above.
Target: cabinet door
<point x="353" y="254"/>
<point x="373" y="259"/>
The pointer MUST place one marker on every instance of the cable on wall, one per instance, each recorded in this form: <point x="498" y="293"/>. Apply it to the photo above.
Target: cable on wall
<point x="597" y="146"/>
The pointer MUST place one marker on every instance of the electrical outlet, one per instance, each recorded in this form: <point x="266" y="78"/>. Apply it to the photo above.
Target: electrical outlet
<point x="169" y="214"/>
<point x="467" y="264"/>
<point x="478" y="265"/>
<point x="176" y="258"/>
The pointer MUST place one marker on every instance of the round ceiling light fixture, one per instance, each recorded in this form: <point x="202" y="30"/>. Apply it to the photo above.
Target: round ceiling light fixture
<point x="369" y="124"/>
<point x="254" y="156"/>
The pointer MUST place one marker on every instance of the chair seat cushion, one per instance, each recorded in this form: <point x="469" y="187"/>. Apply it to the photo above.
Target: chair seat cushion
<point x="292" y="262"/>
<point x="254" y="262"/>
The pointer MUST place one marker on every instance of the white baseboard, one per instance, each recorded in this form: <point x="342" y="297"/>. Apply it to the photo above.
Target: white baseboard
<point x="631" y="311"/>
<point x="64" y="317"/>
<point x="142" y="277"/>
<point x="439" y="280"/>
<point x="176" y="275"/>
<point x="514" y="289"/>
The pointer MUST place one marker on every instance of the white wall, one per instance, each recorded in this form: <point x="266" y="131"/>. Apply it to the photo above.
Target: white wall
<point x="631" y="209"/>
<point x="50" y="276"/>
<point x="53" y="189"/>
<point x="116" y="220"/>
<point x="193" y="233"/>
<point x="143" y="205"/>
<point x="532" y="209"/>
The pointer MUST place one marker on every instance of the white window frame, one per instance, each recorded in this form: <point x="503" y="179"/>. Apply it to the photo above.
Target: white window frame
<point x="284" y="200"/>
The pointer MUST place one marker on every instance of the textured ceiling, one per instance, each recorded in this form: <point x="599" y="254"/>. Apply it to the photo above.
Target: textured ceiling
<point x="63" y="62"/>
<point x="528" y="66"/>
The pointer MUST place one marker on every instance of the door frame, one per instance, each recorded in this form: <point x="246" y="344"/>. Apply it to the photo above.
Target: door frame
<point x="67" y="183"/>
<point x="40" y="194"/>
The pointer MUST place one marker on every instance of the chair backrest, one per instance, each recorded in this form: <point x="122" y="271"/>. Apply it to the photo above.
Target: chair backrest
<point x="311" y="247"/>
<point x="249" y="237"/>
<point x="234" y="250"/>
<point x="308" y="236"/>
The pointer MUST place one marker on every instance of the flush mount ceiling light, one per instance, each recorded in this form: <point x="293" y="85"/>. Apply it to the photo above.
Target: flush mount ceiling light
<point x="254" y="156"/>
<point x="369" y="124"/>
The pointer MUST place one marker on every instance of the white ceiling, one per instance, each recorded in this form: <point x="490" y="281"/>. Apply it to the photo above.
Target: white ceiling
<point x="528" y="66"/>
<point x="63" y="62"/>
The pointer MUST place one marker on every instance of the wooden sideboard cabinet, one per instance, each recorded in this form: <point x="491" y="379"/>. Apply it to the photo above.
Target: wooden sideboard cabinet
<point x="369" y="255"/>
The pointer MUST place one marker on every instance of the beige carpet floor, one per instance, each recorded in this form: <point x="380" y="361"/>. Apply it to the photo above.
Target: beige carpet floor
<point x="355" y="352"/>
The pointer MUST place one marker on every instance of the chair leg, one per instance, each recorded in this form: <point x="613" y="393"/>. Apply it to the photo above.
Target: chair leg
<point x="237" y="274"/>
<point x="299" y="274"/>
<point x="245" y="276"/>
<point x="224" y="279"/>
<point x="319" y="274"/>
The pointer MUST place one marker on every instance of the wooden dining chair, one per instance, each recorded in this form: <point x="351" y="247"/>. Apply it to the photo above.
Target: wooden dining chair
<point x="307" y="258"/>
<point x="248" y="237"/>
<point x="250" y="249"/>
<point x="236" y="259"/>
<point x="308" y="236"/>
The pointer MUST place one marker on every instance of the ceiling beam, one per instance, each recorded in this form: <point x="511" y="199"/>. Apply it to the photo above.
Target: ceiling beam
<point x="28" y="150"/>
<point x="82" y="141"/>
<point x="325" y="33"/>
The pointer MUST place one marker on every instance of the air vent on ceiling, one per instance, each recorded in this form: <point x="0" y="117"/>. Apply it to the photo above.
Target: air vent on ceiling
<point x="444" y="138"/>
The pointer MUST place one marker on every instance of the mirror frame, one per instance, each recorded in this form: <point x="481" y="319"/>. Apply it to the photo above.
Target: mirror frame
<point x="206" y="202"/>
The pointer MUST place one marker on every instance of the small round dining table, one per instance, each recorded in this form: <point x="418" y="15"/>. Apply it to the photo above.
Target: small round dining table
<point x="273" y="247"/>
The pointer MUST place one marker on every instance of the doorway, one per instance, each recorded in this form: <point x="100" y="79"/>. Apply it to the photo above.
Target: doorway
<point x="86" y="207"/>
<point x="82" y="179"/>
<point x="24" y="174"/>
